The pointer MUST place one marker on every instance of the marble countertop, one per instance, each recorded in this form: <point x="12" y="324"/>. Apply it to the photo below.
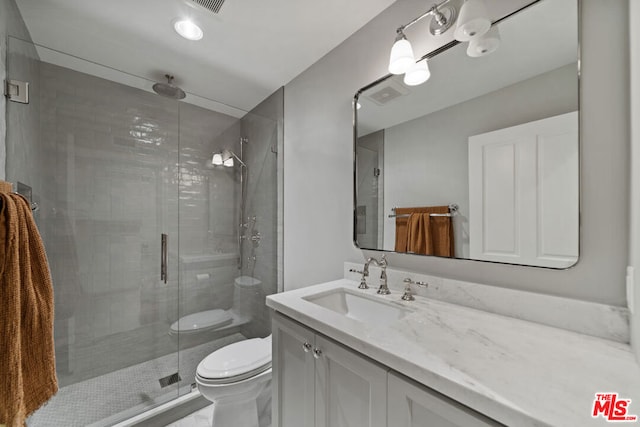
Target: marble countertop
<point x="517" y="372"/>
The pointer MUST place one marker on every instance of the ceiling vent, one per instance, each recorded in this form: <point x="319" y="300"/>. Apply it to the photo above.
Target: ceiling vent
<point x="388" y="92"/>
<point x="212" y="5"/>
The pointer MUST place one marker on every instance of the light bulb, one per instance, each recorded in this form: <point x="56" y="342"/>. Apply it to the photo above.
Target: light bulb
<point x="229" y="162"/>
<point x="217" y="159"/>
<point x="417" y="74"/>
<point x="473" y="21"/>
<point x="188" y="29"/>
<point x="401" y="58"/>
<point x="486" y="44"/>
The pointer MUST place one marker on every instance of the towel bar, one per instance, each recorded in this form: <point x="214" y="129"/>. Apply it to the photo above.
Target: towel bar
<point x="453" y="209"/>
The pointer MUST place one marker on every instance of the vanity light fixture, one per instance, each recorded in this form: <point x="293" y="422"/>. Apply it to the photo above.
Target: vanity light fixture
<point x="417" y="74"/>
<point x="401" y="58"/>
<point x="486" y="44"/>
<point x="217" y="159"/>
<point x="473" y="22"/>
<point x="226" y="158"/>
<point x="473" y="26"/>
<point x="188" y="29"/>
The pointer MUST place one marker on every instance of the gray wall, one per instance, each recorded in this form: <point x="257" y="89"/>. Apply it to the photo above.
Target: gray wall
<point x="318" y="158"/>
<point x="21" y="66"/>
<point x="427" y="158"/>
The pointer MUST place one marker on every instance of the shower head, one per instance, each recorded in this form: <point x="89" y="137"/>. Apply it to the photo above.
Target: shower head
<point x="168" y="89"/>
<point x="226" y="158"/>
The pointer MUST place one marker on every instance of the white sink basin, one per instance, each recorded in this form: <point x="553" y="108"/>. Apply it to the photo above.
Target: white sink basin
<point x="359" y="306"/>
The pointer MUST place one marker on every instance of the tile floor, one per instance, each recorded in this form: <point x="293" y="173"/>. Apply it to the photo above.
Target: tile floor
<point x="201" y="418"/>
<point x="109" y="398"/>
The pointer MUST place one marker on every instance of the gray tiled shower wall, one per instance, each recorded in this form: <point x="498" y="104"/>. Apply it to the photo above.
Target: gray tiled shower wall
<point x="262" y="128"/>
<point x="123" y="167"/>
<point x="113" y="167"/>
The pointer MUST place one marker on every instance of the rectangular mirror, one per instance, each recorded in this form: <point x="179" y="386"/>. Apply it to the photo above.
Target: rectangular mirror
<point x="482" y="160"/>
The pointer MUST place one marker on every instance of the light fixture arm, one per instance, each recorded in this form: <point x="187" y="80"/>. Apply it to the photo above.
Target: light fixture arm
<point x="237" y="158"/>
<point x="439" y="17"/>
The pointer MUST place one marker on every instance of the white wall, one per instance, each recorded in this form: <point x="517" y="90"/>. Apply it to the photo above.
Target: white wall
<point x="318" y="164"/>
<point x="634" y="247"/>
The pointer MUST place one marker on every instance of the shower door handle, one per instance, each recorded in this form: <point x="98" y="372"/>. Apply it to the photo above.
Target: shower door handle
<point x="163" y="257"/>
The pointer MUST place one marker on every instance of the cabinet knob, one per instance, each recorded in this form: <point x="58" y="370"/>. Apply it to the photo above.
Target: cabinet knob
<point x="317" y="353"/>
<point x="306" y="347"/>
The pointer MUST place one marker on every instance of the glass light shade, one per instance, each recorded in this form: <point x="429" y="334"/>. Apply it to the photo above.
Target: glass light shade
<point x="473" y="21"/>
<point x="229" y="162"/>
<point x="217" y="159"/>
<point x="401" y="58"/>
<point x="486" y="44"/>
<point x="417" y="74"/>
<point x="188" y="29"/>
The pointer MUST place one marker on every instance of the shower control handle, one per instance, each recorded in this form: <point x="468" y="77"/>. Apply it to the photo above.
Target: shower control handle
<point x="163" y="257"/>
<point x="306" y="347"/>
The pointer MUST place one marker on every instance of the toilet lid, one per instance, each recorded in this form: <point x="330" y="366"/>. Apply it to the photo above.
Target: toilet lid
<point x="202" y="320"/>
<point x="241" y="359"/>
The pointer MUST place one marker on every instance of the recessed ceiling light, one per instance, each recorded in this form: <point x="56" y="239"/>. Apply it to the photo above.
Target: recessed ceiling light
<point x="188" y="29"/>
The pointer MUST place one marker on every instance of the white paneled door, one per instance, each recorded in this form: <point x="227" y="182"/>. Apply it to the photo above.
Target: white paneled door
<point x="523" y="193"/>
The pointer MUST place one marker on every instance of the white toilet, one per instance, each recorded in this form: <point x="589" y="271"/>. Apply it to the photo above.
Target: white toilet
<point x="237" y="379"/>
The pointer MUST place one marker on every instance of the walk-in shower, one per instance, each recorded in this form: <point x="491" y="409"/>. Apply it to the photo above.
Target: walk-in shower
<point x="113" y="168"/>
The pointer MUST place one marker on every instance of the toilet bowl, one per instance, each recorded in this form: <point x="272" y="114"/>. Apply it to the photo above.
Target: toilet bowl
<point x="237" y="379"/>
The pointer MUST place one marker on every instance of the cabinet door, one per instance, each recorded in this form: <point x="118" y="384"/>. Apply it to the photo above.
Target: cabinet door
<point x="293" y="374"/>
<point x="413" y="405"/>
<point x="351" y="391"/>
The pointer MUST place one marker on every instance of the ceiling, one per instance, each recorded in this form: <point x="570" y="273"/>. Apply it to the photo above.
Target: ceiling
<point x="250" y="49"/>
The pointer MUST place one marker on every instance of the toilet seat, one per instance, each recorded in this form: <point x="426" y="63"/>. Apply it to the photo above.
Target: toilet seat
<point x="236" y="362"/>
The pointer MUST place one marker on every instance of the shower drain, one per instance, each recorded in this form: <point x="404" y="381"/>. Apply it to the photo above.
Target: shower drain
<point x="169" y="379"/>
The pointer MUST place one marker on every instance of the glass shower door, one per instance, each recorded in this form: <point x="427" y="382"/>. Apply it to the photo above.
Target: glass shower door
<point x="102" y="159"/>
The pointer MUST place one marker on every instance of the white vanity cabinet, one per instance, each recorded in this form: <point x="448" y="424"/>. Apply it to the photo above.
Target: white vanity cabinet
<point x="413" y="405"/>
<point x="319" y="383"/>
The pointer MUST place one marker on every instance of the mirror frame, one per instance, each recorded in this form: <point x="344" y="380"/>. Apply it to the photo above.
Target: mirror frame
<point x="432" y="54"/>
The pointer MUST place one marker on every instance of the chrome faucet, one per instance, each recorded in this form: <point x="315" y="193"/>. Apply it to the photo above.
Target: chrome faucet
<point x="383" y="290"/>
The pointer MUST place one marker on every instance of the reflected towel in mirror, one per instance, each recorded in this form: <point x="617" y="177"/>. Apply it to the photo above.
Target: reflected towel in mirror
<point x="420" y="233"/>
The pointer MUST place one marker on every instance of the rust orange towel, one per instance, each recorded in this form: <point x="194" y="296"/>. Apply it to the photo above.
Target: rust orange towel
<point x="418" y="233"/>
<point x="27" y="362"/>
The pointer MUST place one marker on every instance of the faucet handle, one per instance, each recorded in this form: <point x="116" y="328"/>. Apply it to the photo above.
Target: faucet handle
<point x="408" y="281"/>
<point x="408" y="296"/>
<point x="363" y="278"/>
<point x="383" y="261"/>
